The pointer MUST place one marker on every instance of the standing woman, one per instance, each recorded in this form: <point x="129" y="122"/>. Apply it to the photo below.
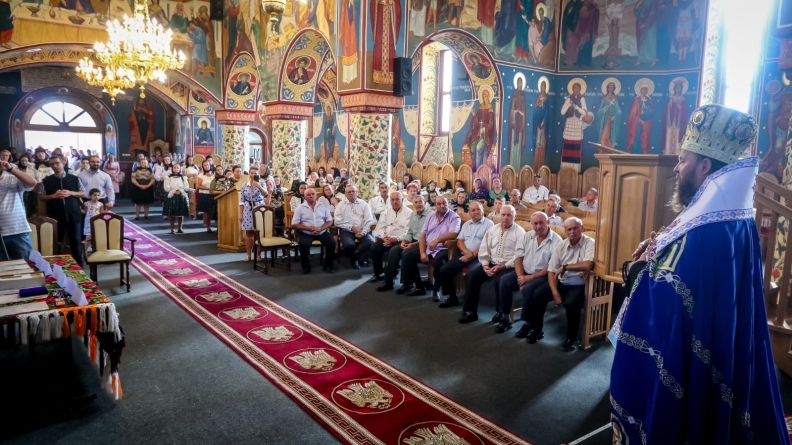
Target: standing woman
<point x="41" y="164"/>
<point x="479" y="193"/>
<point x="205" y="202"/>
<point x="497" y="192"/>
<point x="175" y="207"/>
<point x="161" y="172"/>
<point x="276" y="199"/>
<point x="251" y="196"/>
<point x="190" y="169"/>
<point x="299" y="196"/>
<point x="142" y="192"/>
<point x="113" y="169"/>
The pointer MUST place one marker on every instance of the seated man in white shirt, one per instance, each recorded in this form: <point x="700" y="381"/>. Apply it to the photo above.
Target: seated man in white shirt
<point x="312" y="220"/>
<point x="468" y="242"/>
<point x="354" y="218"/>
<point x="570" y="263"/>
<point x="551" y="207"/>
<point x="380" y="202"/>
<point x="496" y="258"/>
<point x="589" y="203"/>
<point x="530" y="272"/>
<point x="537" y="192"/>
<point x="390" y="231"/>
<point x="514" y="199"/>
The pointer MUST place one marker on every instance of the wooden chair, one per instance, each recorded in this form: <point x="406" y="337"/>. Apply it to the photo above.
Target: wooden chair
<point x="107" y="245"/>
<point x="398" y="171"/>
<point x="448" y="173"/>
<point x="547" y="177"/>
<point x="416" y="170"/>
<point x="526" y="225"/>
<point x="44" y="235"/>
<point x="589" y="223"/>
<point x="525" y="179"/>
<point x="484" y="173"/>
<point x="574" y="211"/>
<point x="431" y="173"/>
<point x="596" y="309"/>
<point x="508" y="178"/>
<point x="567" y="183"/>
<point x="559" y="230"/>
<point x="590" y="179"/>
<point x="267" y="241"/>
<point x="465" y="174"/>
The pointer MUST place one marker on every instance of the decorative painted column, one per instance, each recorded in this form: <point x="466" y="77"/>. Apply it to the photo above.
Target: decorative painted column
<point x="370" y="139"/>
<point x="234" y="146"/>
<point x="289" y="123"/>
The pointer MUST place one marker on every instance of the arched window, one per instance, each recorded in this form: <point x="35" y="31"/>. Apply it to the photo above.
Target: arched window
<point x="254" y="139"/>
<point x="58" y="123"/>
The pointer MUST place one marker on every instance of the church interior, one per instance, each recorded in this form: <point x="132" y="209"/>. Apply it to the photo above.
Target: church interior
<point x="582" y="94"/>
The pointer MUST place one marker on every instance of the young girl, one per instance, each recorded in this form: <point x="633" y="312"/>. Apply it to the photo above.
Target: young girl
<point x="91" y="209"/>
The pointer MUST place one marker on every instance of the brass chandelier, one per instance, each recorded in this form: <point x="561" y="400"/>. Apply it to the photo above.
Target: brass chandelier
<point x="138" y="51"/>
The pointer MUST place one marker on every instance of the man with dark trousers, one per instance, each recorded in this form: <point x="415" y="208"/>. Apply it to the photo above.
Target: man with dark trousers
<point x="570" y="263"/>
<point x="390" y="230"/>
<point x="354" y="219"/>
<point x="312" y="220"/>
<point x="441" y="225"/>
<point x="468" y="242"/>
<point x="496" y="259"/>
<point x="62" y="192"/>
<point x="408" y="243"/>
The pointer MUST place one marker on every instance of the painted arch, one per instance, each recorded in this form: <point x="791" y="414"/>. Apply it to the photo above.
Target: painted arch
<point x="307" y="59"/>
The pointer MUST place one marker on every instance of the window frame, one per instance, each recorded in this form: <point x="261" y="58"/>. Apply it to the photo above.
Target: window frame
<point x="441" y="93"/>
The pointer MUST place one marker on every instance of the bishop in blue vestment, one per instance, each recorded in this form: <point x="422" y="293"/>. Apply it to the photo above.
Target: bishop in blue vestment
<point x="693" y="361"/>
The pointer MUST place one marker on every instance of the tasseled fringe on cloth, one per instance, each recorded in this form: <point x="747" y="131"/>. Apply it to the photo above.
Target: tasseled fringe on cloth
<point x="99" y="327"/>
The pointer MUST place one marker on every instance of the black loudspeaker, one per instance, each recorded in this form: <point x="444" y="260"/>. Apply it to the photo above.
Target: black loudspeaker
<point x="216" y="9"/>
<point x="402" y="76"/>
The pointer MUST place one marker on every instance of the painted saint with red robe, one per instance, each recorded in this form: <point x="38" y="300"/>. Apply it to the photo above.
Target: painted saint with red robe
<point x="385" y="27"/>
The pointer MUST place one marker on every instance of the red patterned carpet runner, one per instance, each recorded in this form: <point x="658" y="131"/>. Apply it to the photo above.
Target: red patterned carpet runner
<point x="358" y="397"/>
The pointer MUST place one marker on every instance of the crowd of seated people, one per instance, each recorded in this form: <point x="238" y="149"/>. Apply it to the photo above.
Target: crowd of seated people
<point x="544" y="256"/>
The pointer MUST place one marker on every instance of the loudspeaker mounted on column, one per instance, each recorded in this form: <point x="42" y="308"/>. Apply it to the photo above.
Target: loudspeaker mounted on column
<point x="216" y="9"/>
<point x="402" y="76"/>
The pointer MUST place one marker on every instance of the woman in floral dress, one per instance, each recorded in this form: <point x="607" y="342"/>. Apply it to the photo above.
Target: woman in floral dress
<point x="251" y="196"/>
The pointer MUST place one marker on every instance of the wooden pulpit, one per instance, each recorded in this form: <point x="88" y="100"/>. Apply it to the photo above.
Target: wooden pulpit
<point x="633" y="201"/>
<point x="229" y="229"/>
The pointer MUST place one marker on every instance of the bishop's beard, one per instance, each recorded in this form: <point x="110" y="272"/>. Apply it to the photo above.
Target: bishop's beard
<point x="684" y="191"/>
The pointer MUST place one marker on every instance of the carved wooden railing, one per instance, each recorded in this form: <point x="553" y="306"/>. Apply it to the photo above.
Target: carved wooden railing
<point x="772" y="215"/>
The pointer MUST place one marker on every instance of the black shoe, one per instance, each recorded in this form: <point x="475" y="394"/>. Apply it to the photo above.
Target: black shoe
<point x="570" y="344"/>
<point x="307" y="270"/>
<point x="376" y="278"/>
<point x="328" y="269"/>
<point x="384" y="287"/>
<point x="435" y="297"/>
<point x="449" y="302"/>
<point x="498" y="317"/>
<point x="355" y="265"/>
<point x="404" y="289"/>
<point x="416" y="292"/>
<point x="503" y="326"/>
<point x="534" y="336"/>
<point x="468" y="317"/>
<point x="524" y="331"/>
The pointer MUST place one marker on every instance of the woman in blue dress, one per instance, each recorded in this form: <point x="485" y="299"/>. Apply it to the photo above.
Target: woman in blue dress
<point x="251" y="196"/>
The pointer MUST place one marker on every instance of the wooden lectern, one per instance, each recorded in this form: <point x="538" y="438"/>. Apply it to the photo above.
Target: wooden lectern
<point x="633" y="201"/>
<point x="229" y="229"/>
<point x="634" y="191"/>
